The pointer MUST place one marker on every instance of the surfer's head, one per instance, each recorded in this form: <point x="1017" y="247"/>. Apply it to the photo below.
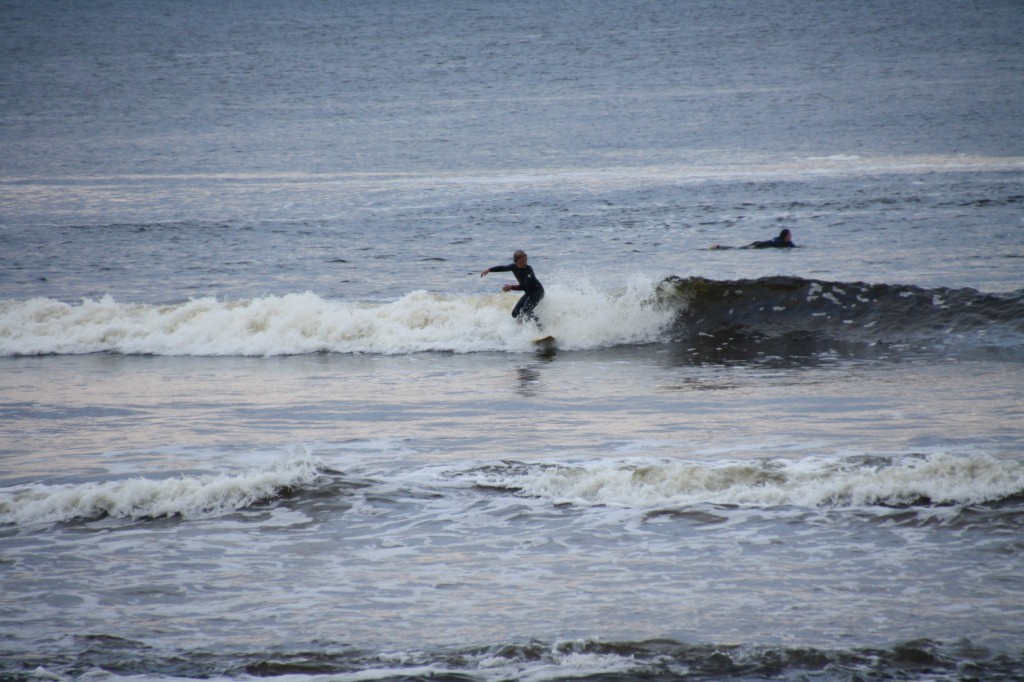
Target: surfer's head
<point x="785" y="236"/>
<point x="517" y="256"/>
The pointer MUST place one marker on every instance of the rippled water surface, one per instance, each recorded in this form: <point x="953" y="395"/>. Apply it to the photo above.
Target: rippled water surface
<point x="260" y="416"/>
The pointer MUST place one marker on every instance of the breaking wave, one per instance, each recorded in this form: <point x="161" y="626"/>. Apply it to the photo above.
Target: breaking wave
<point x="709" y="320"/>
<point x="148" y="498"/>
<point x="582" y="317"/>
<point x="845" y="483"/>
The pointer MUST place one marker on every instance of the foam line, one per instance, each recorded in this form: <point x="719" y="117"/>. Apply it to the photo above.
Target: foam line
<point x="140" y="498"/>
<point x="582" y="317"/>
<point x="937" y="479"/>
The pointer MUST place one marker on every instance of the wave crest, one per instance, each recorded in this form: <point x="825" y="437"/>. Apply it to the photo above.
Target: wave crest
<point x="144" y="498"/>
<point x="581" y="316"/>
<point x="848" y="483"/>
<point x="792" y="315"/>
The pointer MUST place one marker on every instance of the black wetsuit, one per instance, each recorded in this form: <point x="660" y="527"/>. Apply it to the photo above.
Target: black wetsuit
<point x="777" y="243"/>
<point x="531" y="287"/>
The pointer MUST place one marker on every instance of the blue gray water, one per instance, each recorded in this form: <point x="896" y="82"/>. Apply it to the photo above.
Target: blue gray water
<point x="260" y="416"/>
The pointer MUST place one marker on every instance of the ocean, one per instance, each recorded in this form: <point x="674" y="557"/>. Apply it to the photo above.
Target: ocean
<point x="262" y="418"/>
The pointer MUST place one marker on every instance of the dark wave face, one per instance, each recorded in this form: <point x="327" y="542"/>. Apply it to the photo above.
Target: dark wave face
<point x="792" y="317"/>
<point x="580" y="660"/>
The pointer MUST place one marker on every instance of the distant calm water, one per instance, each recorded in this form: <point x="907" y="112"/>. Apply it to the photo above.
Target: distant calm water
<point x="260" y="416"/>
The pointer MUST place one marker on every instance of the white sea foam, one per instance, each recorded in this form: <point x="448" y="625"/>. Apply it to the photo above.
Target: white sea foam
<point x="940" y="479"/>
<point x="582" y="317"/>
<point x="135" y="498"/>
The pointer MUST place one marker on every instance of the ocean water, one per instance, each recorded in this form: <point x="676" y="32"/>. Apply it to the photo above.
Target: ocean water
<point x="261" y="417"/>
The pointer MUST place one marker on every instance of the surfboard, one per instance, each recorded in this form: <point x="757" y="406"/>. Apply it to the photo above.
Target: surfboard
<point x="545" y="343"/>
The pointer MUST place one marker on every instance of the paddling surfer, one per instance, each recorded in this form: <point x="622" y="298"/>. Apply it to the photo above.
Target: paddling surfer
<point x="783" y="241"/>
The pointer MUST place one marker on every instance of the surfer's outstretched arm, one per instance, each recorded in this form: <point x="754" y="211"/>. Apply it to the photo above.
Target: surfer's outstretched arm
<point x="511" y="267"/>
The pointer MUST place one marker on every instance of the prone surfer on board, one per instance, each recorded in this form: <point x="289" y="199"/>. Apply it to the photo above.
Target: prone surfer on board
<point x="783" y="241"/>
<point x="531" y="287"/>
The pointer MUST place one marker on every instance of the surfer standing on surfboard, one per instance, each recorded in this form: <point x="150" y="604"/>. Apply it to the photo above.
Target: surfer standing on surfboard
<point x="531" y="287"/>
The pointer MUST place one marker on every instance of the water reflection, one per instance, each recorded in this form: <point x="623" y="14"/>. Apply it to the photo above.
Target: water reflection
<point x="529" y="380"/>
